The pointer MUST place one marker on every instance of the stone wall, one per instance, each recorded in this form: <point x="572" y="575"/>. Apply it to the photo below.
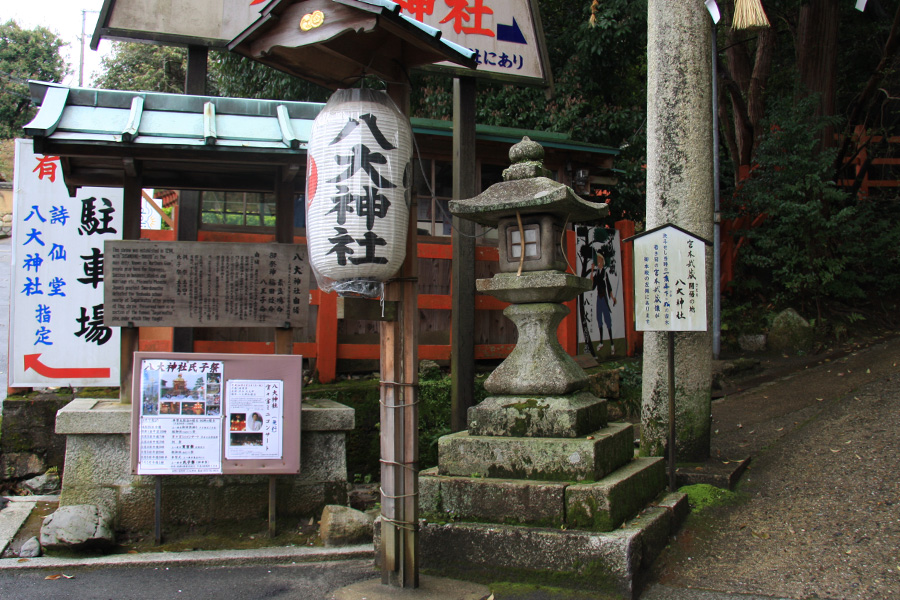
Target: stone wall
<point x="98" y="471"/>
<point x="28" y="441"/>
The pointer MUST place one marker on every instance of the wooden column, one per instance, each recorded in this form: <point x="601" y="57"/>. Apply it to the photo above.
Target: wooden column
<point x="131" y="230"/>
<point x="189" y="200"/>
<point x="399" y="412"/>
<point x="462" y="287"/>
<point x="188" y="228"/>
<point x="284" y="234"/>
<point x="195" y="75"/>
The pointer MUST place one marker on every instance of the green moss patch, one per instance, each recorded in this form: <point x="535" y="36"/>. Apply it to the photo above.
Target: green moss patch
<point x="703" y="495"/>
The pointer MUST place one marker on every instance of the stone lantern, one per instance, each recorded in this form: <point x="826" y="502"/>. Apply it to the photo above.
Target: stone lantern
<point x="540" y="481"/>
<point x="531" y="212"/>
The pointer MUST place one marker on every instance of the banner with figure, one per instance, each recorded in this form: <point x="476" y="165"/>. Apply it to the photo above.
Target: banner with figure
<point x="601" y="311"/>
<point x="56" y="330"/>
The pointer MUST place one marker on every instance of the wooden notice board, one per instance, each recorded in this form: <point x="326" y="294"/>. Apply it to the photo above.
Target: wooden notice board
<point x="205" y="284"/>
<point x="207" y="414"/>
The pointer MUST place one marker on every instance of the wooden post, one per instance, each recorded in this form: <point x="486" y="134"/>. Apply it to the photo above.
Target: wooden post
<point x="462" y="287"/>
<point x="189" y="200"/>
<point x="131" y="230"/>
<point x="284" y="234"/>
<point x="188" y="228"/>
<point x="197" y="67"/>
<point x="399" y="412"/>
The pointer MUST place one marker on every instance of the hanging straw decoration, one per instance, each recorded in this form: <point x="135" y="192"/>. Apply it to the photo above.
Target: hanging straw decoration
<point x="749" y="14"/>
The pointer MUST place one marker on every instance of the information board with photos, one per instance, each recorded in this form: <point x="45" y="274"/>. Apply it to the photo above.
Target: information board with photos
<point x="209" y="414"/>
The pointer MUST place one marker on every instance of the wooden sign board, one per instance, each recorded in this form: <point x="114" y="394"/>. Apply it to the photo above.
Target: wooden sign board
<point x="205" y="284"/>
<point x="216" y="414"/>
<point x="205" y="22"/>
<point x="670" y="280"/>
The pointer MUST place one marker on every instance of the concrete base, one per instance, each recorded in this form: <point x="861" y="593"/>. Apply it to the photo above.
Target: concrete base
<point x="605" y="562"/>
<point x="588" y="458"/>
<point x="713" y="472"/>
<point x="98" y="471"/>
<point x="600" y="506"/>
<point x="538" y="416"/>
<point x="430" y="588"/>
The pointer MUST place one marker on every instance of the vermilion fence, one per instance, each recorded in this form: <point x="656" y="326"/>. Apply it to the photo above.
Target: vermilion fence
<point x="324" y="346"/>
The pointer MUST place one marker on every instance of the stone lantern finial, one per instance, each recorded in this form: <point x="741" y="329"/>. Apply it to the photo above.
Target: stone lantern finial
<point x="527" y="160"/>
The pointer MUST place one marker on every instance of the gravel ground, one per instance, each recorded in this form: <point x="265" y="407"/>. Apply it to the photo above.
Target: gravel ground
<point x="820" y="516"/>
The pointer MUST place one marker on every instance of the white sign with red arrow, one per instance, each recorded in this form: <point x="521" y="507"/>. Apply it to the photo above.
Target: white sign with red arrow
<point x="56" y="331"/>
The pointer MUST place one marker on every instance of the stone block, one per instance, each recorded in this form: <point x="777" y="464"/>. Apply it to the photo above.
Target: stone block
<point x="80" y="526"/>
<point x="538" y="416"/>
<point x="538" y="503"/>
<point x="538" y="365"/>
<point x="545" y="459"/>
<point x="678" y="507"/>
<point x="94" y="416"/>
<point x="607" y="562"/>
<point x="430" y="492"/>
<point x="320" y="414"/>
<point x="536" y="286"/>
<point x="15" y="465"/>
<point x="605" y="505"/>
<point x="136" y="508"/>
<point x="323" y="456"/>
<point x="107" y="497"/>
<point x="97" y="460"/>
<point x="344" y="526"/>
<point x="790" y="333"/>
<point x="605" y="383"/>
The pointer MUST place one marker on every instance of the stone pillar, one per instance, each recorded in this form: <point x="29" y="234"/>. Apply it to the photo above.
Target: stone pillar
<point x="679" y="191"/>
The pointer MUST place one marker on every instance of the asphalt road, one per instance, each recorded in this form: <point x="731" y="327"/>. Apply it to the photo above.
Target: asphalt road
<point x="310" y="581"/>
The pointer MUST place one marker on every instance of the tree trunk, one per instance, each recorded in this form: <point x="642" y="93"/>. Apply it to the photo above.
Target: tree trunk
<point x="817" y="47"/>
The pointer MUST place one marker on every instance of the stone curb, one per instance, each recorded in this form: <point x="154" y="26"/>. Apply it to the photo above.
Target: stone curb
<point x="219" y="558"/>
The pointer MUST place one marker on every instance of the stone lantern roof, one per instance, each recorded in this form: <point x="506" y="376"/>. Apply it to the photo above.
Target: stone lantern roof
<point x="527" y="190"/>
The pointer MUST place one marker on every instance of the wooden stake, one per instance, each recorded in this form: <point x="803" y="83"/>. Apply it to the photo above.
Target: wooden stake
<point x="399" y="413"/>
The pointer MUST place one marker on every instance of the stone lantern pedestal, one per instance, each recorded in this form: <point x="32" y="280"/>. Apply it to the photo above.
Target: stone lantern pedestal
<point x="540" y="481"/>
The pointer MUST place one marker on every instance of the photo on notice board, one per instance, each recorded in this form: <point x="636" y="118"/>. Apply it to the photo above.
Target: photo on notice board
<point x="180" y="417"/>
<point x="255" y="418"/>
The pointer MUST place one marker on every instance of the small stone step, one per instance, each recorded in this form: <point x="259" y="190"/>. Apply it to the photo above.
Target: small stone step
<point x="606" y="562"/>
<point x="605" y="505"/>
<point x="569" y="416"/>
<point x="510" y="501"/>
<point x="543" y="459"/>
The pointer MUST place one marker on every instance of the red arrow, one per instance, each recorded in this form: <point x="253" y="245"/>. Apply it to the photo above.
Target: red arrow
<point x="32" y="362"/>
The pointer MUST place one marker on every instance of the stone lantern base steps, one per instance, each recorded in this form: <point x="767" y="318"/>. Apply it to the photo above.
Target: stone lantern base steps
<point x="570" y="497"/>
<point x="590" y="483"/>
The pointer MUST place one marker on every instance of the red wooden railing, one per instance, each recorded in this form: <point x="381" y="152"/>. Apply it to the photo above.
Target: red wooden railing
<point x="325" y="347"/>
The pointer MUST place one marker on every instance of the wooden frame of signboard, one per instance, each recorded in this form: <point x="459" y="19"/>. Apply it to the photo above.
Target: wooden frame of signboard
<point x="287" y="368"/>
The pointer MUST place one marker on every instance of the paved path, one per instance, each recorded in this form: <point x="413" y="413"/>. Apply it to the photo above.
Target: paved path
<point x="821" y="510"/>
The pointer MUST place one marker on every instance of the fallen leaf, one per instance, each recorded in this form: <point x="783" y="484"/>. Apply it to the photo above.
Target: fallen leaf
<point x="835" y="451"/>
<point x="849" y="442"/>
<point x="53" y="577"/>
<point x="491" y="597"/>
<point x="840" y="374"/>
<point x="780" y="429"/>
<point x="132" y="552"/>
<point x="762" y="536"/>
<point x="590" y="437"/>
<point x="68" y="576"/>
<point x="21" y="560"/>
<point x="868" y="371"/>
<point x="820" y="399"/>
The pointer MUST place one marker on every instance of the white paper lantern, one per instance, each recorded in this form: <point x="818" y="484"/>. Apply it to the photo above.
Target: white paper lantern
<point x="359" y="174"/>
